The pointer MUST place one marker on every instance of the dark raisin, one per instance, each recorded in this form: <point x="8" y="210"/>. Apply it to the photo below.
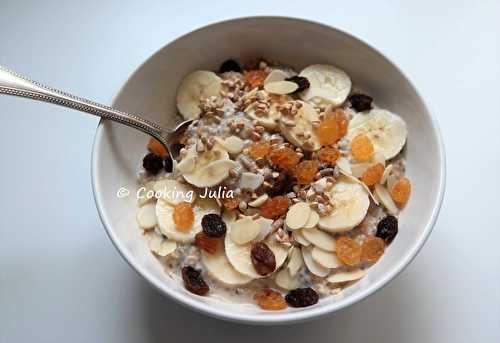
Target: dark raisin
<point x="387" y="228"/>
<point x="169" y="165"/>
<point x="301" y="81"/>
<point x="302" y="297"/>
<point x="263" y="259"/>
<point x="361" y="102"/>
<point x="193" y="281"/>
<point x="230" y="65"/>
<point x="152" y="163"/>
<point x="213" y="225"/>
<point x="281" y="185"/>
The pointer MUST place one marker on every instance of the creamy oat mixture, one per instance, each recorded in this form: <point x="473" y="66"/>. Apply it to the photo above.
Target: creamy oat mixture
<point x="287" y="188"/>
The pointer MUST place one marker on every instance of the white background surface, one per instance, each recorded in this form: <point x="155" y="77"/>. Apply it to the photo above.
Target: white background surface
<point x="62" y="280"/>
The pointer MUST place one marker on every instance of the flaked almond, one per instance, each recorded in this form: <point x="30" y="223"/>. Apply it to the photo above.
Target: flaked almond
<point x="297" y="215"/>
<point x="146" y="217"/>
<point x="286" y="281"/>
<point x="275" y="76"/>
<point x="186" y="165"/>
<point x="357" y="169"/>
<point x="344" y="165"/>
<point x="345" y="276"/>
<point x="295" y="261"/>
<point x="259" y="201"/>
<point x="233" y="144"/>
<point x="320" y="239"/>
<point x="326" y="258"/>
<point x="312" y="221"/>
<point x="385" y="198"/>
<point x="250" y="181"/>
<point x="281" y="87"/>
<point x="313" y="266"/>
<point x="244" y="230"/>
<point x="160" y="245"/>
<point x="385" y="175"/>
<point x="299" y="238"/>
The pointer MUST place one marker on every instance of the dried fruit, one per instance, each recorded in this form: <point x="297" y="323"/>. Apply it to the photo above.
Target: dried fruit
<point x="213" y="225"/>
<point x="280" y="185"/>
<point x="387" y="228"/>
<point x="263" y="258"/>
<point x="328" y="155"/>
<point x="361" y="102"/>
<point x="152" y="163"/>
<point x="157" y="148"/>
<point x="400" y="191"/>
<point x="183" y="216"/>
<point x="230" y="65"/>
<point x="270" y="300"/>
<point x="332" y="128"/>
<point x="284" y="158"/>
<point x="274" y="207"/>
<point x="373" y="174"/>
<point x="302" y="297"/>
<point x="301" y="81"/>
<point x="231" y="203"/>
<point x="348" y="251"/>
<point x="305" y="171"/>
<point x="169" y="164"/>
<point x="210" y="244"/>
<point x="258" y="150"/>
<point x="362" y="148"/>
<point x="372" y="249"/>
<point x="255" y="78"/>
<point x="193" y="281"/>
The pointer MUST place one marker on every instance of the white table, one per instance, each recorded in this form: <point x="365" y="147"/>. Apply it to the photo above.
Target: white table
<point x="62" y="280"/>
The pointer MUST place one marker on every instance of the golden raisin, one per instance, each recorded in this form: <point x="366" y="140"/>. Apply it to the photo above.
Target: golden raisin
<point x="255" y="78"/>
<point x="401" y="190"/>
<point x="231" y="203"/>
<point x="372" y="249"/>
<point x="267" y="299"/>
<point x="210" y="244"/>
<point x="157" y="148"/>
<point x="332" y="128"/>
<point x="284" y="158"/>
<point x="348" y="251"/>
<point x="362" y="148"/>
<point x="305" y="172"/>
<point x="373" y="174"/>
<point x="259" y="150"/>
<point x="274" y="207"/>
<point x="183" y="216"/>
<point x="328" y="155"/>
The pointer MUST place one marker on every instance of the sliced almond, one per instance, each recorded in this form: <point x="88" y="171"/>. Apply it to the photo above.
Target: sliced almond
<point x="313" y="266"/>
<point x="385" y="198"/>
<point x="312" y="221"/>
<point x="366" y="188"/>
<point x="357" y="169"/>
<point x="266" y="226"/>
<point x="299" y="238"/>
<point x="186" y="165"/>
<point x="385" y="175"/>
<point x="275" y="75"/>
<point x="233" y="144"/>
<point x="281" y="87"/>
<point x="250" y="181"/>
<point x="391" y="180"/>
<point x="320" y="239"/>
<point x="244" y="230"/>
<point x="326" y="258"/>
<point x="161" y="246"/>
<point x="345" y="276"/>
<point x="259" y="201"/>
<point x="344" y="165"/>
<point x="297" y="215"/>
<point x="295" y="261"/>
<point x="286" y="281"/>
<point x="146" y="216"/>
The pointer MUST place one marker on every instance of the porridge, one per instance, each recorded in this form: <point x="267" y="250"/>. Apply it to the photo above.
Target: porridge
<point x="287" y="188"/>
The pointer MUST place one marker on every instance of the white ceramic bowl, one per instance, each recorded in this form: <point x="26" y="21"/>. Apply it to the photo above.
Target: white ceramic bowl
<point x="118" y="150"/>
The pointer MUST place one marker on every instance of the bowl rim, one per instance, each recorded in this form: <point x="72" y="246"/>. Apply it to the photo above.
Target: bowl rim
<point x="276" y="318"/>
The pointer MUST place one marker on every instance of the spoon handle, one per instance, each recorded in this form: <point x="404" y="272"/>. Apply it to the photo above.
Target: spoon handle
<point x="12" y="83"/>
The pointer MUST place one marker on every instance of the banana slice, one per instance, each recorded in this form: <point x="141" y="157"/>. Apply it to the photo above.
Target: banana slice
<point x="161" y="246"/>
<point x="299" y="238"/>
<point x="329" y="85"/>
<point x="386" y="130"/>
<point x="198" y="85"/>
<point x="325" y="258"/>
<point x="164" y="212"/>
<point x="239" y="255"/>
<point x="286" y="281"/>
<point x="219" y="267"/>
<point x="313" y="266"/>
<point x="350" y="203"/>
<point x="345" y="276"/>
<point x="295" y="261"/>
<point x="320" y="239"/>
<point x="173" y="192"/>
<point x="146" y="217"/>
<point x="302" y="133"/>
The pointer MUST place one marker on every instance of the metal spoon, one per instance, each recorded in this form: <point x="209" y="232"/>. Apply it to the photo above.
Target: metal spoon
<point x="12" y="83"/>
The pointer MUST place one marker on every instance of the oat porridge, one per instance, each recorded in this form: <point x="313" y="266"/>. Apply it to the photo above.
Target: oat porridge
<point x="287" y="188"/>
